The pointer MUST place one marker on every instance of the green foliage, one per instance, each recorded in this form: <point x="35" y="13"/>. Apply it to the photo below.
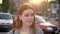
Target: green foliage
<point x="12" y="7"/>
<point x="5" y="5"/>
<point x="8" y="5"/>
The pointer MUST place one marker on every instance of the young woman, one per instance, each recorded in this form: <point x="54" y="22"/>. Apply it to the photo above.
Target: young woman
<point x="25" y="22"/>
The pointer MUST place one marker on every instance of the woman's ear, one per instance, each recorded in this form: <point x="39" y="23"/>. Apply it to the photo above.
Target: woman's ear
<point x="20" y="17"/>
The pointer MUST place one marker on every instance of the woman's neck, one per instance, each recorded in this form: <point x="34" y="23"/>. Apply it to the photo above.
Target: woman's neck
<point x="25" y="27"/>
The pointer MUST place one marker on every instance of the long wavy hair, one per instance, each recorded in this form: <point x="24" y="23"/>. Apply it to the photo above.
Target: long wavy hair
<point x="20" y="11"/>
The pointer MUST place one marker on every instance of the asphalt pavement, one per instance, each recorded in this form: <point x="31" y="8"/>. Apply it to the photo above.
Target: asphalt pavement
<point x="3" y="32"/>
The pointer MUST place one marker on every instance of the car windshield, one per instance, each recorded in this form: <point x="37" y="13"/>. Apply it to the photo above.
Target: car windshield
<point x="40" y="20"/>
<point x="5" y="16"/>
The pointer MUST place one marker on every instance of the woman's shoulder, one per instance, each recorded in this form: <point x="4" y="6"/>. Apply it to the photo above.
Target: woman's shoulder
<point x="39" y="31"/>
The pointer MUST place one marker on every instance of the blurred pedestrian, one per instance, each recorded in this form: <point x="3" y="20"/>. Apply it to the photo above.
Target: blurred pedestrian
<point x="25" y="22"/>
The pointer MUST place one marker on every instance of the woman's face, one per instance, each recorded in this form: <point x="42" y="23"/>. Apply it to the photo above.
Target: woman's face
<point x="27" y="17"/>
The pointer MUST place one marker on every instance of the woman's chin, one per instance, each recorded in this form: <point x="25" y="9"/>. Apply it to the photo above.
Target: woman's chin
<point x="29" y="24"/>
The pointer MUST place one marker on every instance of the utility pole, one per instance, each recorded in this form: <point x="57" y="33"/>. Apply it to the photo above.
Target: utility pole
<point x="58" y="3"/>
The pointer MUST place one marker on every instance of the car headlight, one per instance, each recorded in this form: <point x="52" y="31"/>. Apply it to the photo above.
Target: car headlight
<point x="11" y="21"/>
<point x="49" y="28"/>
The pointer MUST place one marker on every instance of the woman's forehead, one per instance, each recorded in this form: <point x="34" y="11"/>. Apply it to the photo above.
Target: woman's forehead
<point x="28" y="11"/>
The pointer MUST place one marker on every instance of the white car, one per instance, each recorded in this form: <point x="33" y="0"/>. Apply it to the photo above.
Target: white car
<point x="6" y="21"/>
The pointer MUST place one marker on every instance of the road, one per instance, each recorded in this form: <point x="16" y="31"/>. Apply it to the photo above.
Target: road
<point x="3" y="32"/>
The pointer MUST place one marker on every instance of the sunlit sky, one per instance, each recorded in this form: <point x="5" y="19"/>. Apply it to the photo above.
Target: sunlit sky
<point x="33" y="0"/>
<point x="0" y="1"/>
<point x="37" y="1"/>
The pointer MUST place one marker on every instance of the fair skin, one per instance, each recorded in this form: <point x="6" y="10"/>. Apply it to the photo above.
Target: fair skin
<point x="27" y="18"/>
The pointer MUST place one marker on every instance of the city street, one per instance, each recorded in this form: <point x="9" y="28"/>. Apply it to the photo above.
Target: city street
<point x="47" y="19"/>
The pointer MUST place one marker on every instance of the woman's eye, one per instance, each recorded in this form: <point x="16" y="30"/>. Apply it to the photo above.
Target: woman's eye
<point x="26" y="15"/>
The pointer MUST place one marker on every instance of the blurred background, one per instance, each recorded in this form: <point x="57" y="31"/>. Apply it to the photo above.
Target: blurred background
<point x="48" y="9"/>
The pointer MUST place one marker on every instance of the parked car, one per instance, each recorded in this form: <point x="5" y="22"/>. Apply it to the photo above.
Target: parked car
<point x="47" y="27"/>
<point x="6" y="21"/>
<point x="57" y="19"/>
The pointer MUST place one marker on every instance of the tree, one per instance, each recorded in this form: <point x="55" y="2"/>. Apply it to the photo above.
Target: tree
<point x="5" y="5"/>
<point x="8" y="5"/>
<point x="12" y="7"/>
